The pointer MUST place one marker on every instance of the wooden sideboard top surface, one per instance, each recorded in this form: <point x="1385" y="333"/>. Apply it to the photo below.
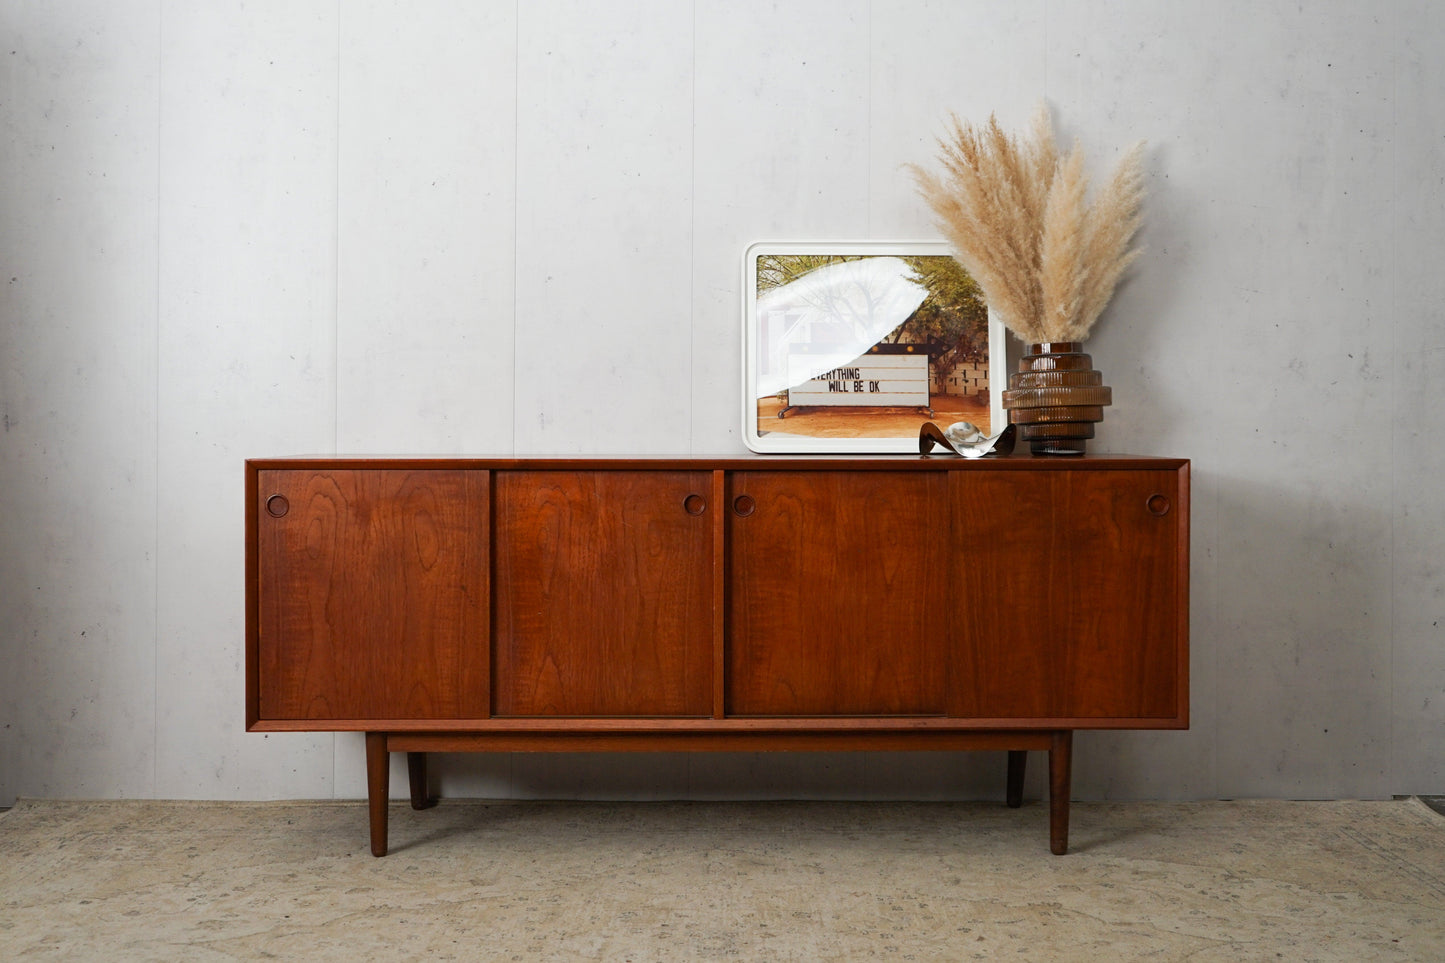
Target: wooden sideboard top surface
<point x="745" y="462"/>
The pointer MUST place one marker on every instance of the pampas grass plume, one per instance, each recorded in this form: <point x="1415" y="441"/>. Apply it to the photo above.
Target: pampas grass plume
<point x="1018" y="218"/>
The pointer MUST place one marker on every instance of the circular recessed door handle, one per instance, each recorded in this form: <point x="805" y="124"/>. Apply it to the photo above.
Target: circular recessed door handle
<point x="694" y="504"/>
<point x="277" y="505"/>
<point x="744" y="505"/>
<point x="1158" y="505"/>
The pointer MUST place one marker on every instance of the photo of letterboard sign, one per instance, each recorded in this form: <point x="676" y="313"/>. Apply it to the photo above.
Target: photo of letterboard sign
<point x="850" y="346"/>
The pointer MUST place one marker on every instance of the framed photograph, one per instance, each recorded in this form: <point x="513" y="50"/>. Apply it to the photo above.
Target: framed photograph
<point x="850" y="346"/>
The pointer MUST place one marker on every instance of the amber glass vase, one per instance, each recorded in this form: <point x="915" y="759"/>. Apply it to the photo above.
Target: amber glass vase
<point x="1056" y="397"/>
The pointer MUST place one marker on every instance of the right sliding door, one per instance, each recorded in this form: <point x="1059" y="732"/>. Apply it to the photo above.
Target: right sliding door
<point x="1068" y="594"/>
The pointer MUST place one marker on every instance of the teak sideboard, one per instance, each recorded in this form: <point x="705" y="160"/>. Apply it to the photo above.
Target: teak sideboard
<point x="736" y="604"/>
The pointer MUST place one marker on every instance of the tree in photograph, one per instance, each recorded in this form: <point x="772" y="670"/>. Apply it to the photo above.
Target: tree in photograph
<point x="953" y="318"/>
<point x="775" y="270"/>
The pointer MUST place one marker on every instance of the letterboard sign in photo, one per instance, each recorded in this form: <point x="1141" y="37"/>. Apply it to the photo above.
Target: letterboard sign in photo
<point x="851" y="346"/>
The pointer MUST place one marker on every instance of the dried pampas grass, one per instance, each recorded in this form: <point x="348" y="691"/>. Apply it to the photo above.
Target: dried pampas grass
<point x="1020" y="222"/>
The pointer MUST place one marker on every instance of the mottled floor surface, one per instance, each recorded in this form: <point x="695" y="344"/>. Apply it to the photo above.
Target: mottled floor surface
<point x="745" y="881"/>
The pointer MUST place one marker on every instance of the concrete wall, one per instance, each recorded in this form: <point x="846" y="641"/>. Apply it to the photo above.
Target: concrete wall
<point x="443" y="226"/>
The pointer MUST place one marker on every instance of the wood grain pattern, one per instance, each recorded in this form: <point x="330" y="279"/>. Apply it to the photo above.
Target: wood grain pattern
<point x="372" y="589"/>
<point x="719" y="594"/>
<point x="1068" y="589"/>
<point x="350" y="622"/>
<point x="832" y="589"/>
<point x="604" y="595"/>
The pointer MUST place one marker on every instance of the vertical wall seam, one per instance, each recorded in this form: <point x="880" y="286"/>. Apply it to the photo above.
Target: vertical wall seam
<point x="692" y="248"/>
<point x="511" y="790"/>
<point x="516" y="200"/>
<point x="1397" y="40"/>
<point x="156" y="524"/>
<point x="336" y="268"/>
<point x="336" y="309"/>
<point x="868" y="115"/>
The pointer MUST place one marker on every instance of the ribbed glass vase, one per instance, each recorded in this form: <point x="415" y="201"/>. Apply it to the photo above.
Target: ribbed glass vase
<point x="1056" y="397"/>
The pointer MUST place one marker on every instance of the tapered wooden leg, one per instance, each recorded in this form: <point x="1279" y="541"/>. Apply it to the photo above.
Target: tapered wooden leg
<point x="378" y="772"/>
<point x="1017" y="760"/>
<point x="416" y="773"/>
<point x="1060" y="761"/>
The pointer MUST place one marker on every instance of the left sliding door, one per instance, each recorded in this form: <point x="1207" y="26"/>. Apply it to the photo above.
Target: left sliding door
<point x="372" y="594"/>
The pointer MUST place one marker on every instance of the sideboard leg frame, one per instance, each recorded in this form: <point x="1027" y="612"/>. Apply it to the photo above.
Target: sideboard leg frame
<point x="1017" y="762"/>
<point x="1060" y="757"/>
<point x="416" y="773"/>
<point x="378" y="786"/>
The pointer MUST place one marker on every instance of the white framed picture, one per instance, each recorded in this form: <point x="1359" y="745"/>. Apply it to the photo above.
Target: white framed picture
<point x="850" y="346"/>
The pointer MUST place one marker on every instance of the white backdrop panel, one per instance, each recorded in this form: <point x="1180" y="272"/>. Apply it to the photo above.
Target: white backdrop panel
<point x="426" y="261"/>
<point x="78" y="498"/>
<point x="247" y="356"/>
<point x="604" y="227"/>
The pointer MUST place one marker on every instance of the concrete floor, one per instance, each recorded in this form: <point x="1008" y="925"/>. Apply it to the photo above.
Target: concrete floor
<point x="708" y="881"/>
